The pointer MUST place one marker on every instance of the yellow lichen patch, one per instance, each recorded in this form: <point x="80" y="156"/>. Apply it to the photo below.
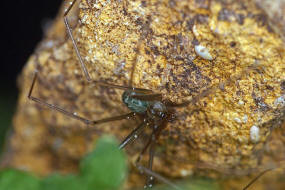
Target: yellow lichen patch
<point x="241" y="86"/>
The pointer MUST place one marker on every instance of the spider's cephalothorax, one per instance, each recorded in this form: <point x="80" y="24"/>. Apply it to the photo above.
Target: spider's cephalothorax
<point x="134" y="104"/>
<point x="155" y="110"/>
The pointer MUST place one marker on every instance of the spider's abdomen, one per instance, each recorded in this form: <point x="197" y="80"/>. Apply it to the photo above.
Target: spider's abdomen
<point x="135" y="105"/>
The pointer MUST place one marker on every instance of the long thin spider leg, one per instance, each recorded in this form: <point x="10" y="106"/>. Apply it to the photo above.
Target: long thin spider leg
<point x="74" y="43"/>
<point x="133" y="135"/>
<point x="70" y="114"/>
<point x="135" y="62"/>
<point x="150" y="144"/>
<point x="155" y="135"/>
<point x="115" y="118"/>
<point x="144" y="149"/>
<point x="147" y="97"/>
<point x="81" y="61"/>
<point x="150" y="179"/>
<point x="66" y="11"/>
<point x="256" y="178"/>
<point x="215" y="87"/>
<point x="51" y="106"/>
<point x="120" y="87"/>
<point x="157" y="176"/>
<point x="227" y="170"/>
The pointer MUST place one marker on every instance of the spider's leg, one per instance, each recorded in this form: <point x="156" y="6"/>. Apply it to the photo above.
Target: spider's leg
<point x="144" y="149"/>
<point x="154" y="137"/>
<point x="51" y="106"/>
<point x="133" y="135"/>
<point x="148" y="171"/>
<point x="150" y="179"/>
<point x="135" y="60"/>
<point x="115" y="118"/>
<point x="214" y="88"/>
<point x="148" y="97"/>
<point x="120" y="87"/>
<point x="150" y="143"/>
<point x="71" y="4"/>
<point x="70" y="114"/>
<point x="157" y="176"/>
<point x="256" y="178"/>
<point x="74" y="43"/>
<point x="81" y="61"/>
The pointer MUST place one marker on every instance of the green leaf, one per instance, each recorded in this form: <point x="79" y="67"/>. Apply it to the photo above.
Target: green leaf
<point x="60" y="182"/>
<point x="18" y="180"/>
<point x="104" y="168"/>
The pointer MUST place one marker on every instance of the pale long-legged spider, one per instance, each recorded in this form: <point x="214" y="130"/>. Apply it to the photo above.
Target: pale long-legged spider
<point x="155" y="111"/>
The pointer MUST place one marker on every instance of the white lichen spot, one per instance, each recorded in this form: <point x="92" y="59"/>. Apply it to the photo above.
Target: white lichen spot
<point x="137" y="6"/>
<point x="280" y="101"/>
<point x="195" y="31"/>
<point x="60" y="53"/>
<point x="185" y="173"/>
<point x="49" y="44"/>
<point x="254" y="134"/>
<point x="120" y="68"/>
<point x="217" y="31"/>
<point x="84" y="19"/>
<point x="245" y="118"/>
<point x="240" y="102"/>
<point x="115" y="49"/>
<point x="238" y="120"/>
<point x="203" y="52"/>
<point x="97" y="6"/>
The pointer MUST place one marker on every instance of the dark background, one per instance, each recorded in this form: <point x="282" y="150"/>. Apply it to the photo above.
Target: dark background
<point x="21" y="27"/>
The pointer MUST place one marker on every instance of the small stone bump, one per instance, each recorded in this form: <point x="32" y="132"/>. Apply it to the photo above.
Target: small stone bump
<point x="203" y="52"/>
<point x="254" y="134"/>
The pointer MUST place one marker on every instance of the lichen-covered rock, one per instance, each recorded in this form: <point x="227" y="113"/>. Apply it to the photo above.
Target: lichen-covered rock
<point x="275" y="10"/>
<point x="232" y="130"/>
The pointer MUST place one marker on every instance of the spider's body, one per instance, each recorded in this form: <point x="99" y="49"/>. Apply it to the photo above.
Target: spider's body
<point x="134" y="104"/>
<point x="154" y="109"/>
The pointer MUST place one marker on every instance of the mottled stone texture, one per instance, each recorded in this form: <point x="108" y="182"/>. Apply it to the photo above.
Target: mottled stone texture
<point x="275" y="9"/>
<point x="160" y="36"/>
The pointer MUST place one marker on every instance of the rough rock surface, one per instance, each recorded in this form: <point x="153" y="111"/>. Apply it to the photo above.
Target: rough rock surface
<point x="275" y="9"/>
<point x="160" y="36"/>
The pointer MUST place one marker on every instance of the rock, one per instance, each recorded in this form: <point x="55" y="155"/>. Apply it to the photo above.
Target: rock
<point x="275" y="10"/>
<point x="236" y="90"/>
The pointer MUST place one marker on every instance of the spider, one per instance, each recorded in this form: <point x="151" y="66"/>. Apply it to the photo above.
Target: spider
<point x="154" y="111"/>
